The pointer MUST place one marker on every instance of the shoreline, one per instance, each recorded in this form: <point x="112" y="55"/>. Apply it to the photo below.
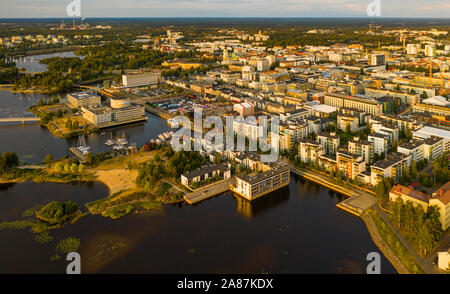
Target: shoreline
<point x="121" y="181"/>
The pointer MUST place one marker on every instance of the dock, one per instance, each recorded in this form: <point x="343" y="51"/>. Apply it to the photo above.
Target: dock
<point x="356" y="204"/>
<point x="208" y="191"/>
<point x="78" y="154"/>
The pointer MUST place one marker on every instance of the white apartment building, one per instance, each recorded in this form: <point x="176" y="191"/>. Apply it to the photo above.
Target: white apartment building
<point x="141" y="79"/>
<point x="380" y="143"/>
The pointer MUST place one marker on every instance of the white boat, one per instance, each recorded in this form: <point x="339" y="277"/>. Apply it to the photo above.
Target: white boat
<point x="81" y="146"/>
<point x="161" y="136"/>
<point x="118" y="147"/>
<point x="132" y="145"/>
<point x="172" y="122"/>
<point x="110" y="141"/>
<point x="122" y="141"/>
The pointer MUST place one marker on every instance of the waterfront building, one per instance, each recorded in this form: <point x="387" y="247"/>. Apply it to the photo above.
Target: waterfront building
<point x="119" y="111"/>
<point x="205" y="172"/>
<point x="254" y="186"/>
<point x="408" y="194"/>
<point x="81" y="99"/>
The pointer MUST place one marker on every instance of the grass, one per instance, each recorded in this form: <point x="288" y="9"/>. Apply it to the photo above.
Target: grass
<point x="396" y="246"/>
<point x="120" y="162"/>
<point x="123" y="203"/>
<point x="44" y="175"/>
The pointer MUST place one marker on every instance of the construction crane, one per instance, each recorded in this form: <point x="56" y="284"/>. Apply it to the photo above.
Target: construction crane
<point x="431" y="72"/>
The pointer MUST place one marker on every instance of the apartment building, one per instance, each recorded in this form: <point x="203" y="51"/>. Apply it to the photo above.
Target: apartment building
<point x="413" y="148"/>
<point x="255" y="186"/>
<point x="344" y="121"/>
<point x="329" y="142"/>
<point x="310" y="150"/>
<point x="407" y="98"/>
<point x="362" y="148"/>
<point x="368" y="105"/>
<point x="141" y="79"/>
<point x="440" y="198"/>
<point x="393" y="166"/>
<point x="428" y="132"/>
<point x="350" y="164"/>
<point x="204" y="173"/>
<point x="380" y="143"/>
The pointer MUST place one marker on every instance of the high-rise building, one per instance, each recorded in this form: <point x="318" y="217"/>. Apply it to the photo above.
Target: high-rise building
<point x="430" y="50"/>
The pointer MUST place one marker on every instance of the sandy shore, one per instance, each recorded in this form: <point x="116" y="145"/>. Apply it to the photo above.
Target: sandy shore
<point x="118" y="179"/>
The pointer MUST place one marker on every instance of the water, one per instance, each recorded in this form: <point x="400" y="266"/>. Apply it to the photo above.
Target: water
<point x="33" y="142"/>
<point x="297" y="229"/>
<point x="32" y="65"/>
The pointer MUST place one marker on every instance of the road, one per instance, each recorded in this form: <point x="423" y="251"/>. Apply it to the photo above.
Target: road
<point x="426" y="264"/>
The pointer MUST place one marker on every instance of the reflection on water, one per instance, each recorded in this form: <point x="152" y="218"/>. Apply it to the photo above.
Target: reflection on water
<point x="31" y="63"/>
<point x="294" y="230"/>
<point x="252" y="209"/>
<point x="33" y="142"/>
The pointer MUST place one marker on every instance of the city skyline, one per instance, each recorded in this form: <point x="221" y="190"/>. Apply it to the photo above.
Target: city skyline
<point x="221" y="8"/>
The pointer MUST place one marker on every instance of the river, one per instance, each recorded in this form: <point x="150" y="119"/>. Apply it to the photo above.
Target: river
<point x="31" y="63"/>
<point x="33" y="142"/>
<point x="297" y="229"/>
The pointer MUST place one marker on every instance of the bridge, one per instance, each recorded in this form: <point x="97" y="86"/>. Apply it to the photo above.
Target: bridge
<point x="20" y="119"/>
<point x="6" y="86"/>
<point x="106" y="93"/>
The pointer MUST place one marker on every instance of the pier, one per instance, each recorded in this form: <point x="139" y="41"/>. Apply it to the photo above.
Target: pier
<point x="78" y="154"/>
<point x="208" y="191"/>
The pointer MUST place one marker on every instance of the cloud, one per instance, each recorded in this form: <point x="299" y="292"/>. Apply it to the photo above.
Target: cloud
<point x="218" y="8"/>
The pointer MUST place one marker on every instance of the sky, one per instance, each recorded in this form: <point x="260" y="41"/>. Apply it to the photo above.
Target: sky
<point x="224" y="8"/>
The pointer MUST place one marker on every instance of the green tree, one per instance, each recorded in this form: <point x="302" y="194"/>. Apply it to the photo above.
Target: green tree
<point x="59" y="167"/>
<point x="48" y="159"/>
<point x="74" y="168"/>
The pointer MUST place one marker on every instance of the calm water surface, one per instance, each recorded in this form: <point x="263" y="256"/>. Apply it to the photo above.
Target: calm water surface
<point x="33" y="142"/>
<point x="31" y="63"/>
<point x="294" y="230"/>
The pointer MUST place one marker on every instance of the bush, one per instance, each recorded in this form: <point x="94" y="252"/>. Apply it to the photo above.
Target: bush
<point x="68" y="245"/>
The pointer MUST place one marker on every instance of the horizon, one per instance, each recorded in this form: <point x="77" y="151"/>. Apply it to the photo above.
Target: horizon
<point x="225" y="9"/>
